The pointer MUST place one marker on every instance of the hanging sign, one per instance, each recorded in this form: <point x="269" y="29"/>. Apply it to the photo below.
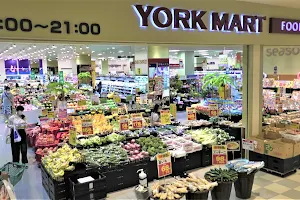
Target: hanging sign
<point x="165" y="117"/>
<point x="191" y="113"/>
<point x="124" y="125"/>
<point x="219" y="154"/>
<point x="143" y="99"/>
<point x="248" y="144"/>
<point x="213" y="110"/>
<point x="51" y="115"/>
<point x="44" y="112"/>
<point x="137" y="120"/>
<point x="233" y="145"/>
<point x="87" y="127"/>
<point x="173" y="110"/>
<point x="72" y="135"/>
<point x="164" y="164"/>
<point x="95" y="100"/>
<point x="61" y="77"/>
<point x="81" y="102"/>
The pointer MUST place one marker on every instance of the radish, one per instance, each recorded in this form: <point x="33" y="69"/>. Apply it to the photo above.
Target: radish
<point x="131" y="159"/>
<point x="131" y="152"/>
<point x="133" y="141"/>
<point x="136" y="152"/>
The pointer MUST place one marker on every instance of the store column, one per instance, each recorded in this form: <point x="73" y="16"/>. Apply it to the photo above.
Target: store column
<point x="158" y="61"/>
<point x="188" y="63"/>
<point x="141" y="60"/>
<point x="252" y="89"/>
<point x="105" y="67"/>
<point x="83" y="63"/>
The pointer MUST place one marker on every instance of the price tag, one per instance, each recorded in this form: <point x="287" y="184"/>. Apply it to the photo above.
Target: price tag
<point x="165" y="117"/>
<point x="213" y="110"/>
<point x="233" y="145"/>
<point x="294" y="126"/>
<point x="81" y="102"/>
<point x="173" y="110"/>
<point x="117" y="99"/>
<point x="124" y="125"/>
<point x="279" y="107"/>
<point x="138" y="71"/>
<point x="191" y="113"/>
<point x="137" y="100"/>
<point x="143" y="99"/>
<point x="164" y="164"/>
<point x="72" y="135"/>
<point x="44" y="112"/>
<point x="51" y="115"/>
<point x="137" y="123"/>
<point x="52" y="98"/>
<point x="219" y="154"/>
<point x="87" y="127"/>
<point x="248" y="144"/>
<point x="277" y="98"/>
<point x="62" y="113"/>
<point x="115" y="111"/>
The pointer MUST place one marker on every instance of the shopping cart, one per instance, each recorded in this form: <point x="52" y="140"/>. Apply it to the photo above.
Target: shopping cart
<point x="15" y="172"/>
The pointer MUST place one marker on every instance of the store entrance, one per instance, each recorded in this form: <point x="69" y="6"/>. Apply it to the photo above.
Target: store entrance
<point x="121" y="105"/>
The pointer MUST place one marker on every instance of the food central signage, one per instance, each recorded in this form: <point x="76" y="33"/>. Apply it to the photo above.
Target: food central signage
<point x="162" y="18"/>
<point x="286" y="26"/>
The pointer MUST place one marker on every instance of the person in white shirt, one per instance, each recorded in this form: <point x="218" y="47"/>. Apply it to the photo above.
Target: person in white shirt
<point x="155" y="117"/>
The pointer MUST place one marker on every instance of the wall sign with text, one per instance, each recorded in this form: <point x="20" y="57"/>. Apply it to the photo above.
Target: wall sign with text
<point x="177" y="18"/>
<point x="55" y="26"/>
<point x="285" y="26"/>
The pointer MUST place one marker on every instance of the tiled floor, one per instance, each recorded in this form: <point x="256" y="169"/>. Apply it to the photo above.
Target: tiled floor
<point x="265" y="186"/>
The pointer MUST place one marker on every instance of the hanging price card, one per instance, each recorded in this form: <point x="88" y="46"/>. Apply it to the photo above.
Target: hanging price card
<point x="219" y="154"/>
<point x="62" y="113"/>
<point x="115" y="111"/>
<point x="277" y="98"/>
<point x="248" y="144"/>
<point x="165" y="117"/>
<point x="124" y="122"/>
<point x="44" y="112"/>
<point x="52" y="98"/>
<point x="51" y="115"/>
<point x="81" y="102"/>
<point x="117" y="99"/>
<point x="137" y="123"/>
<point x="87" y="127"/>
<point x="191" y="113"/>
<point x="213" y="110"/>
<point x="164" y="164"/>
<point x="73" y="135"/>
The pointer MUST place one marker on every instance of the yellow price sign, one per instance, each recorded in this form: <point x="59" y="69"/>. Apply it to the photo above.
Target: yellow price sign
<point x="117" y="99"/>
<point x="138" y="71"/>
<point x="173" y="110"/>
<point x="52" y="98"/>
<point x="219" y="154"/>
<point x="72" y="136"/>
<point x="44" y="112"/>
<point x="51" y="115"/>
<point x="191" y="113"/>
<point x="137" y="123"/>
<point x="165" y="117"/>
<point x="164" y="164"/>
<point x="213" y="110"/>
<point x="81" y="102"/>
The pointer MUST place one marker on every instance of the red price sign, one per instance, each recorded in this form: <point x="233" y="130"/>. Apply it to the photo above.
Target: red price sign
<point x="164" y="165"/>
<point x="191" y="113"/>
<point x="219" y="154"/>
<point x="124" y="123"/>
<point x="213" y="110"/>
<point x="137" y="123"/>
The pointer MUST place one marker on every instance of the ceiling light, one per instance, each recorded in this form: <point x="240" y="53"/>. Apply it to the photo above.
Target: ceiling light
<point x="89" y="54"/>
<point x="204" y="54"/>
<point x="174" y="50"/>
<point x="71" y="47"/>
<point x="121" y="51"/>
<point x="80" y="48"/>
<point x="113" y="47"/>
<point x="100" y="54"/>
<point x="133" y="54"/>
<point x="33" y="46"/>
<point x="87" y="47"/>
<point x="53" y="47"/>
<point x="107" y="48"/>
<point x="14" y="45"/>
<point x="93" y="51"/>
<point x="29" y="48"/>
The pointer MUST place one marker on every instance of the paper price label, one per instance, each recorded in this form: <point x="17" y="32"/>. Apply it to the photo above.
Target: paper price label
<point x="191" y="113"/>
<point x="219" y="154"/>
<point x="81" y="102"/>
<point x="124" y="124"/>
<point x="44" y="112"/>
<point x="248" y="144"/>
<point x="164" y="165"/>
<point x="137" y="123"/>
<point x="165" y="117"/>
<point x="51" y="115"/>
<point x="213" y="110"/>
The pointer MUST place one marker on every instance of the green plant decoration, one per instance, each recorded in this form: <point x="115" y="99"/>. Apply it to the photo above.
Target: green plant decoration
<point x="221" y="175"/>
<point x="60" y="88"/>
<point x="84" y="77"/>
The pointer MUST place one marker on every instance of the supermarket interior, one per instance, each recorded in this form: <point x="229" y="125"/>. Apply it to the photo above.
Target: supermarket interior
<point x="163" y="101"/>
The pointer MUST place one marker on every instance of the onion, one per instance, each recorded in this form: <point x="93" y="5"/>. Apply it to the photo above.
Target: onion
<point x="131" y="159"/>
<point x="131" y="152"/>
<point x="136" y="152"/>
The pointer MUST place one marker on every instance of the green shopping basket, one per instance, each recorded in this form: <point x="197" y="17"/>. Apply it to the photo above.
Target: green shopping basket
<point x="15" y="172"/>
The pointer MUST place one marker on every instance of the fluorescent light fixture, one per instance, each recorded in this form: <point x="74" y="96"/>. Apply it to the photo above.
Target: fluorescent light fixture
<point x="174" y="50"/>
<point x="201" y="50"/>
<point x="121" y="51"/>
<point x="204" y="54"/>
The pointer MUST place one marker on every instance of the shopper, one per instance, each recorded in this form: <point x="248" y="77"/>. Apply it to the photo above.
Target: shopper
<point x="18" y="122"/>
<point x="7" y="102"/>
<point x="99" y="87"/>
<point x="61" y="102"/>
<point x="155" y="118"/>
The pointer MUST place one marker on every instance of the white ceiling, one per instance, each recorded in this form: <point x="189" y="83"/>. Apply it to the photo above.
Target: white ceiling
<point x="283" y="3"/>
<point x="105" y="51"/>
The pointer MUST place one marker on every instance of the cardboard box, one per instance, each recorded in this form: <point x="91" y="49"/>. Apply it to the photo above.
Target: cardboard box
<point x="259" y="144"/>
<point x="280" y="125"/>
<point x="279" y="149"/>
<point x="296" y="145"/>
<point x="272" y="134"/>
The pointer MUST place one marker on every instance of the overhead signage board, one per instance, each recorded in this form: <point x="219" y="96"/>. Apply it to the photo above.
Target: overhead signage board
<point x="284" y="26"/>
<point x="193" y="20"/>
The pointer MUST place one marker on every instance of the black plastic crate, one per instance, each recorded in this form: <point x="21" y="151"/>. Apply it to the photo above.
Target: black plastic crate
<point x="57" y="195"/>
<point x="93" y="195"/>
<point x="283" y="166"/>
<point x="178" y="166"/>
<point x="254" y="156"/>
<point x="206" y="155"/>
<point x="78" y="190"/>
<point x="193" y="160"/>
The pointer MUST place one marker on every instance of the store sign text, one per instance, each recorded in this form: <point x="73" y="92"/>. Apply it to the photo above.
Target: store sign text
<point x="282" y="51"/>
<point x="162" y="18"/>
<point x="286" y="26"/>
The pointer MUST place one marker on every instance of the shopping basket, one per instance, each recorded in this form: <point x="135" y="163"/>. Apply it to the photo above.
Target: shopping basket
<point x="15" y="172"/>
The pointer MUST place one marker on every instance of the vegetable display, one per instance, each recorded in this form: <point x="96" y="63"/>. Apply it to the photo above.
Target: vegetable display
<point x="221" y="175"/>
<point x="110" y="155"/>
<point x="152" y="145"/>
<point x="197" y="184"/>
<point x="91" y="141"/>
<point x="169" y="191"/>
<point x="210" y="136"/>
<point x="134" y="150"/>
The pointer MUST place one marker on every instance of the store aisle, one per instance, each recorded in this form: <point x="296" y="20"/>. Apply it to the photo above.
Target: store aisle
<point x="30" y="186"/>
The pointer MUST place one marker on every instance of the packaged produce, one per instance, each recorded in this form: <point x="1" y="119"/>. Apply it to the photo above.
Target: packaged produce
<point x="244" y="165"/>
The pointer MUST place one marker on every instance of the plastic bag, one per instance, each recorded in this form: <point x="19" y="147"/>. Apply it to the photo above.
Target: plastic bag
<point x="7" y="134"/>
<point x="17" y="137"/>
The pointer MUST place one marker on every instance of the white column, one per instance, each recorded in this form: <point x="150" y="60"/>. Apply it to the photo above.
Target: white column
<point x="2" y="70"/>
<point x="141" y="59"/>
<point x="45" y="68"/>
<point x="65" y="66"/>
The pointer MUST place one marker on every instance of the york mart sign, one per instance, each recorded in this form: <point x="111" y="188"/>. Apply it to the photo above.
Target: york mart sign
<point x="175" y="18"/>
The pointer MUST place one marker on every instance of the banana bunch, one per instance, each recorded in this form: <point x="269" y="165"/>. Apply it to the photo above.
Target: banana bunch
<point x="170" y="191"/>
<point x="195" y="183"/>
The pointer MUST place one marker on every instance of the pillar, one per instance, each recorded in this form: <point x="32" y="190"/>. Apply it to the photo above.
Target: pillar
<point x="140" y="60"/>
<point x="105" y="67"/>
<point x="252" y="89"/>
<point x="188" y="63"/>
<point x="161" y="53"/>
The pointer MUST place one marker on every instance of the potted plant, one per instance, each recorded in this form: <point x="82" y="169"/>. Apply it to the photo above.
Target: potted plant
<point x="84" y="77"/>
<point x="60" y="88"/>
<point x="225" y="178"/>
